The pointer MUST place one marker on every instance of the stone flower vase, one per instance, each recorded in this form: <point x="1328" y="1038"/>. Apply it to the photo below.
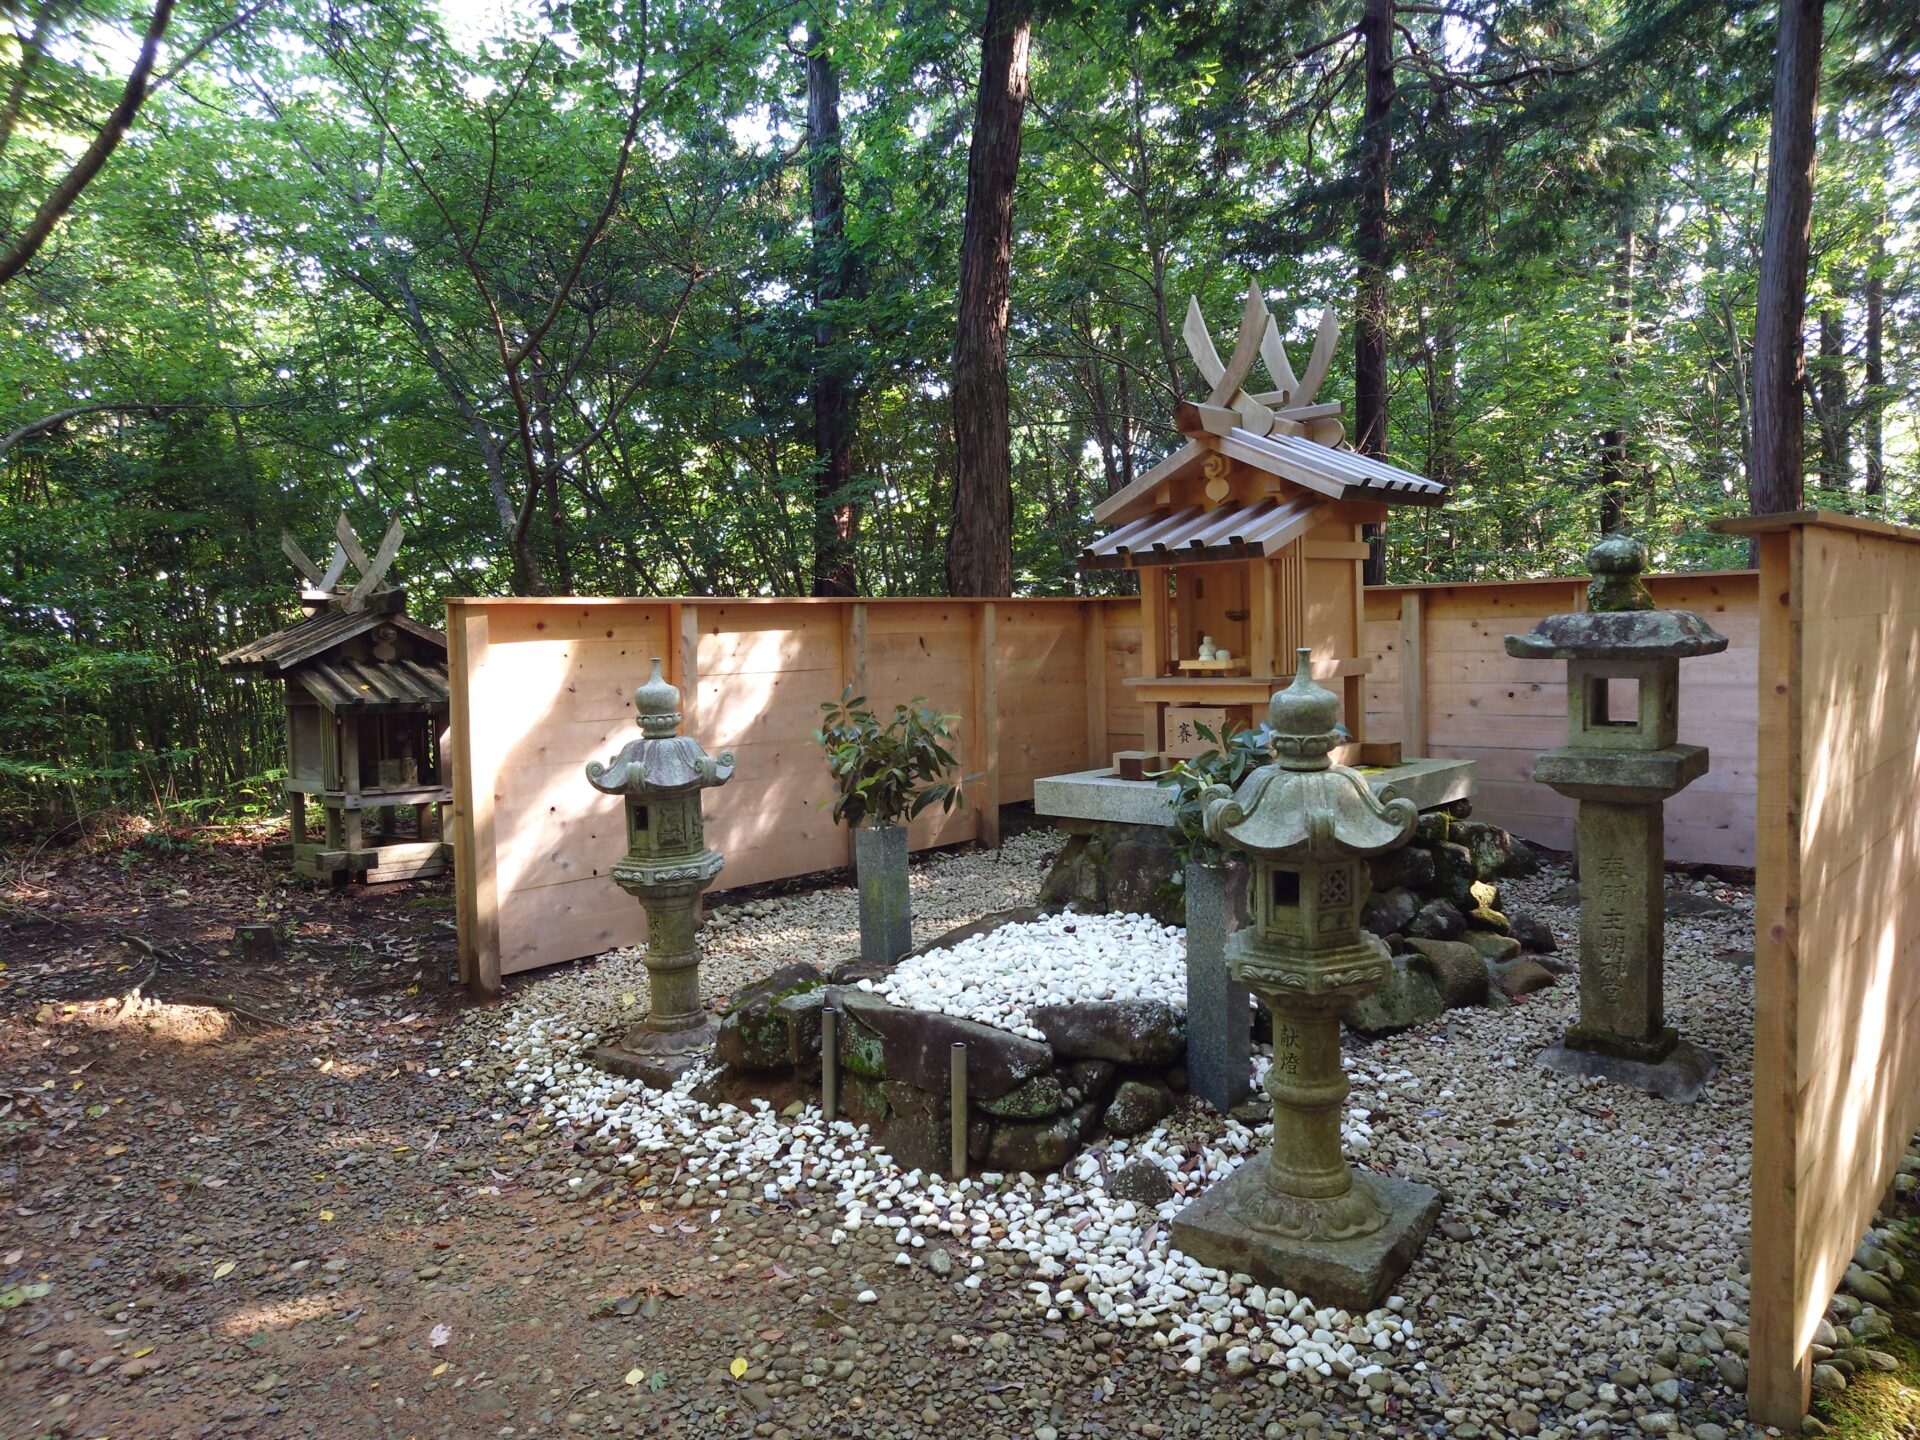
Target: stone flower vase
<point x="1219" y="1016"/>
<point x="886" y="911"/>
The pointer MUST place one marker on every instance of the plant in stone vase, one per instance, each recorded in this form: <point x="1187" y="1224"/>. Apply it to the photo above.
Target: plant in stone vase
<point x="1219" y="1020"/>
<point x="884" y="774"/>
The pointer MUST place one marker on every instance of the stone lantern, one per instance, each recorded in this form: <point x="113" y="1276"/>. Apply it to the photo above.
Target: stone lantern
<point x="1299" y="1215"/>
<point x="666" y="866"/>
<point x="1621" y="761"/>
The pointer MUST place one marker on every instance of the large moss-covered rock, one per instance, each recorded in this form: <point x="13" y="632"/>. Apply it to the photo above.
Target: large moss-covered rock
<point x="752" y="1034"/>
<point x="1039" y="1146"/>
<point x="1118" y="868"/>
<point x="1521" y="976"/>
<point x="1455" y="967"/>
<point x="1436" y="920"/>
<point x="1033" y="1099"/>
<point x="1410" y="997"/>
<point x="1131" y="1032"/>
<point x="917" y="1046"/>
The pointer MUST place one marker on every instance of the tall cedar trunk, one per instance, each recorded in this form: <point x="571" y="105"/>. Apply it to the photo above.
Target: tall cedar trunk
<point x="1372" y="249"/>
<point x="980" y="553"/>
<point x="836" y="519"/>
<point x="1830" y="379"/>
<point x="1875" y="379"/>
<point x="1778" y="478"/>
<point x="1613" y="440"/>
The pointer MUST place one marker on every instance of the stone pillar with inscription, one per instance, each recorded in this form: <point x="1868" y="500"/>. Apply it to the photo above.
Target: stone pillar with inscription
<point x="667" y="865"/>
<point x="1621" y="761"/>
<point x="1299" y="1215"/>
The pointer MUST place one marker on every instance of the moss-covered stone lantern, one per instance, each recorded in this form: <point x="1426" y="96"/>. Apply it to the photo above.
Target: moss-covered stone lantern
<point x="1299" y="1215"/>
<point x="1621" y="761"/>
<point x="666" y="866"/>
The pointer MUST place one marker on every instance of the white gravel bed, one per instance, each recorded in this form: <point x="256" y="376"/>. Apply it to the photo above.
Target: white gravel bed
<point x="1593" y="1241"/>
<point x="1000" y="978"/>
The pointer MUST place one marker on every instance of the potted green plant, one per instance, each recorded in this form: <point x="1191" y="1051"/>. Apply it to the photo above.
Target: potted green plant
<point x="884" y="774"/>
<point x="1219" y="1016"/>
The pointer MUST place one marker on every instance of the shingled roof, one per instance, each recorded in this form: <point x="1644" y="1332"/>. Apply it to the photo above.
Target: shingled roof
<point x="287" y="649"/>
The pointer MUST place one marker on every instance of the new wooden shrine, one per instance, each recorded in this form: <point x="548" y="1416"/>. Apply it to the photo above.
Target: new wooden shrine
<point x="366" y="701"/>
<point x="1248" y="540"/>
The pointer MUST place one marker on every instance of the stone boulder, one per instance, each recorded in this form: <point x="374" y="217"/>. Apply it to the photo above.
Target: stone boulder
<point x="1137" y="1106"/>
<point x="1453" y="874"/>
<point x="1410" y="997"/>
<point x="1492" y="948"/>
<point x="1533" y="933"/>
<point x="1131" y="1032"/>
<point x="1039" y="1146"/>
<point x="1033" y="1099"/>
<point x="1410" y="867"/>
<point x="1456" y="968"/>
<point x="916" y="1046"/>
<point x="1436" y="920"/>
<point x="752" y="1035"/>
<point x="1522" y="976"/>
<point x="1141" y="1181"/>
<point x="1118" y="868"/>
<point x="1389" y="912"/>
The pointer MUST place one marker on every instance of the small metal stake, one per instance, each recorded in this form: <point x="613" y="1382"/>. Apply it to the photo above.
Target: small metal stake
<point x="957" y="1168"/>
<point x="829" y="1063"/>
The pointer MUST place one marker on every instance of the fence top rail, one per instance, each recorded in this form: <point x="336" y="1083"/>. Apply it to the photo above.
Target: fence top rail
<point x="463" y="601"/>
<point x="1551" y="580"/>
<point x="1828" y="519"/>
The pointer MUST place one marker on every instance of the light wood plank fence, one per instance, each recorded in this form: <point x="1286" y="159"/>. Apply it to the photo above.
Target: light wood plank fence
<point x="1836" y="1088"/>
<point x="1443" y="685"/>
<point x="542" y="686"/>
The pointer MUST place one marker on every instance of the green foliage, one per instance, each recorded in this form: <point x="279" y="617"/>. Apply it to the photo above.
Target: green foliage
<point x="299" y="279"/>
<point x="1232" y="755"/>
<point x="887" y="772"/>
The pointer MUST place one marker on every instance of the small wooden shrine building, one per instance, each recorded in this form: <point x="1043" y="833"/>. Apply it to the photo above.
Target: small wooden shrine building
<point x="366" y="699"/>
<point x="1248" y="541"/>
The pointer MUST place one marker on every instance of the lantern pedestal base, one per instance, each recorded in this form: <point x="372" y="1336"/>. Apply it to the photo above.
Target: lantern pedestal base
<point x="657" y="1058"/>
<point x="1680" y="1077"/>
<point x="1351" y="1274"/>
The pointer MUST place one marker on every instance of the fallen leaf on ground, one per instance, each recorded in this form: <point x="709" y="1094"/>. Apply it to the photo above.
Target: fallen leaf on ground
<point x="636" y="1375"/>
<point x="223" y="1269"/>
<point x="439" y="1336"/>
<point x="738" y="1367"/>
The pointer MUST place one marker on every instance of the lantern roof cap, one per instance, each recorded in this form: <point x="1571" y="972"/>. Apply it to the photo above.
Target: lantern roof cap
<point x="1620" y="621"/>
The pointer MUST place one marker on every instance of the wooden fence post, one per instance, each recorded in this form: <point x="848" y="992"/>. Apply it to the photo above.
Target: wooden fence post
<point x="1413" y="677"/>
<point x="1095" y="636"/>
<point x="476" y="886"/>
<point x="986" y="709"/>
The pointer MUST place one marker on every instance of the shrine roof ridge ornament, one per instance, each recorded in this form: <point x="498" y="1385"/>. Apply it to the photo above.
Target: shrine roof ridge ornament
<point x="1285" y="431"/>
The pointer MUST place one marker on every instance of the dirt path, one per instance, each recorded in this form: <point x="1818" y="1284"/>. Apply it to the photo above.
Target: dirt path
<point x="210" y="1227"/>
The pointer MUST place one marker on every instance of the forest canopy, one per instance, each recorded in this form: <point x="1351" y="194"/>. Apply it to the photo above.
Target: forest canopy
<point x="647" y="297"/>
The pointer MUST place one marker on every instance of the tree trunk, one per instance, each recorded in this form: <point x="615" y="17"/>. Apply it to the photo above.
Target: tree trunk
<point x="1373" y="251"/>
<point x="1830" y="379"/>
<point x="1875" y="378"/>
<point x="1613" y="440"/>
<point x="980" y="554"/>
<point x="1778" y="477"/>
<point x="1873" y="394"/>
<point x="836" y="519"/>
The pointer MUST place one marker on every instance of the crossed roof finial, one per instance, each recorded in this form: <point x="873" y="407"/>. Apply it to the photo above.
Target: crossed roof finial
<point x="1289" y="408"/>
<point x="325" y="586"/>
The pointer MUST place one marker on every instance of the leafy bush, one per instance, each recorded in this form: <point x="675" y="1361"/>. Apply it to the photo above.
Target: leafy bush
<point x="887" y="773"/>
<point x="1233" y="755"/>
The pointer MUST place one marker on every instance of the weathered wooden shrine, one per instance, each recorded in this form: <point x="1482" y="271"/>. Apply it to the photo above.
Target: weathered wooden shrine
<point x="366" y="701"/>
<point x="1248" y="540"/>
